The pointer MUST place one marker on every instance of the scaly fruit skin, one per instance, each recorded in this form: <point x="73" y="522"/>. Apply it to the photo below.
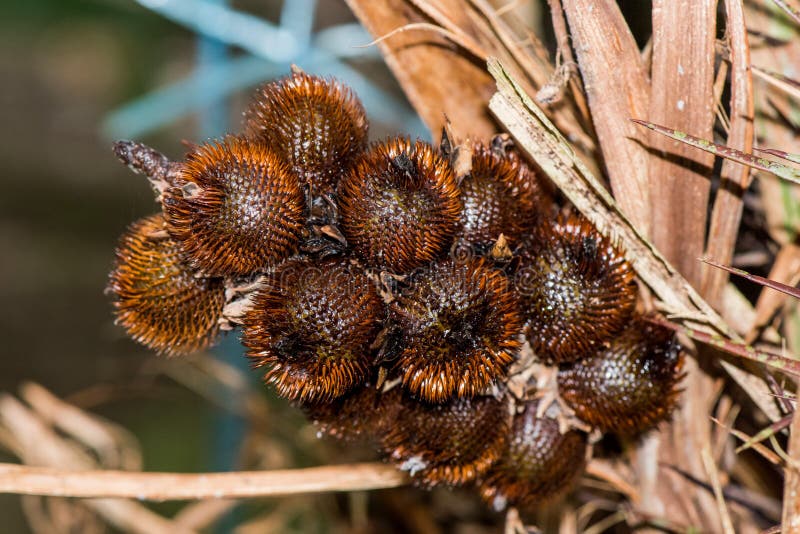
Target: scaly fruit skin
<point x="630" y="385"/>
<point x="447" y="444"/>
<point x="312" y="325"/>
<point x="460" y="330"/>
<point x="539" y="464"/>
<point x="577" y="289"/>
<point x="501" y="195"/>
<point x="363" y="412"/>
<point x="158" y="299"/>
<point x="239" y="211"/>
<point x="317" y="126"/>
<point x="399" y="205"/>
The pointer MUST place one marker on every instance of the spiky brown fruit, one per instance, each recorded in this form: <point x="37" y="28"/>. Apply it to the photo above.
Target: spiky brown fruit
<point x="501" y="195"/>
<point x="360" y="413"/>
<point x="628" y="386"/>
<point x="240" y="210"/>
<point x="459" y="329"/>
<point x="312" y="325"/>
<point x="447" y="444"/>
<point x="539" y="464"/>
<point x="158" y="299"/>
<point x="399" y="205"/>
<point x="316" y="125"/>
<point x="577" y="289"/>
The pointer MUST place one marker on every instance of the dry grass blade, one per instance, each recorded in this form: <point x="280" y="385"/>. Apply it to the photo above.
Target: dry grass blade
<point x="681" y="93"/>
<point x="606" y="523"/>
<point x="737" y="348"/>
<point x="767" y="454"/>
<point x="713" y="476"/>
<point x="610" y="473"/>
<point x="727" y="212"/>
<point x="784" y="83"/>
<point x="779" y="170"/>
<point x="794" y="158"/>
<point x="27" y="480"/>
<point x="767" y="433"/>
<point x="793" y="13"/>
<point x="201" y="514"/>
<point x="785" y="270"/>
<point x="766" y="282"/>
<point x="114" y="445"/>
<point x="601" y="38"/>
<point x="791" y="488"/>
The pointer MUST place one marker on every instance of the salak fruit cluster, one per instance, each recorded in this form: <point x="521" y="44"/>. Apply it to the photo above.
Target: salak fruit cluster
<point x="391" y="289"/>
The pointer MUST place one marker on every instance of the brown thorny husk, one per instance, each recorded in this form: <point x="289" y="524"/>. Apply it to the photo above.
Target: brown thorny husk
<point x="687" y="475"/>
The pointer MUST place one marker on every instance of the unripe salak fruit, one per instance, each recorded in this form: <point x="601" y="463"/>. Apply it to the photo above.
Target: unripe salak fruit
<point x="576" y="287"/>
<point x="158" y="298"/>
<point x="312" y="325"/>
<point x="460" y="329"/>
<point x="629" y="385"/>
<point x="538" y="465"/>
<point x="239" y="210"/>
<point x="317" y="126"/>
<point x="399" y="205"/>
<point x="447" y="444"/>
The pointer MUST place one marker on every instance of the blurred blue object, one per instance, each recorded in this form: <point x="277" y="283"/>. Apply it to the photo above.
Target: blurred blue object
<point x="272" y="50"/>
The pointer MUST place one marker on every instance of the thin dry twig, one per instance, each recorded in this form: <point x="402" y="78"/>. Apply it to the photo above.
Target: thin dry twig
<point x="29" y="480"/>
<point x="458" y="38"/>
<point x="713" y="476"/>
<point x="610" y="473"/>
<point x="785" y="270"/>
<point x="201" y="514"/>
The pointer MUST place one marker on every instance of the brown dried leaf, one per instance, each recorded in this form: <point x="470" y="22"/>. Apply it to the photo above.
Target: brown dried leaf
<point x="682" y="96"/>
<point x="438" y="61"/>
<point x="436" y="76"/>
<point x="601" y="39"/>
